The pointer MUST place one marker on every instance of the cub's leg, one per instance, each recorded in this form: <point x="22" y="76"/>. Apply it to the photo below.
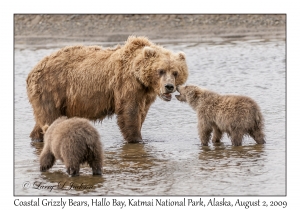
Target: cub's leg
<point x="217" y="134"/>
<point x="258" y="136"/>
<point x="236" y="138"/>
<point x="73" y="170"/>
<point x="204" y="133"/>
<point x="95" y="159"/>
<point x="47" y="160"/>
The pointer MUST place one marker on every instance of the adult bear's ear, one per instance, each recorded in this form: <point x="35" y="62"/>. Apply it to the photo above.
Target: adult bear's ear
<point x="181" y="56"/>
<point x="149" y="52"/>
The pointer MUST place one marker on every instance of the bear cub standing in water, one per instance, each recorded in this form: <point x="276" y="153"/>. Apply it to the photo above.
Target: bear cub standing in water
<point x="74" y="141"/>
<point x="233" y="114"/>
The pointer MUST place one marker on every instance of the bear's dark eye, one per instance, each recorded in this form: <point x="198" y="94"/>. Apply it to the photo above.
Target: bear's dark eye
<point x="175" y="74"/>
<point x="161" y="72"/>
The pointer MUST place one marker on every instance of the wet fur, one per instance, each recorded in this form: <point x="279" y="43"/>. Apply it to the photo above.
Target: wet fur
<point x="94" y="82"/>
<point x="73" y="141"/>
<point x="233" y="114"/>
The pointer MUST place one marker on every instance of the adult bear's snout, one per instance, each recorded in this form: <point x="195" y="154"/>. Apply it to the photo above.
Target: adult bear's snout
<point x="169" y="88"/>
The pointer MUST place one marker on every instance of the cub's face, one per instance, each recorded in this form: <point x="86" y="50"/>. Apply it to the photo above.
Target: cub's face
<point x="183" y="91"/>
<point x="188" y="93"/>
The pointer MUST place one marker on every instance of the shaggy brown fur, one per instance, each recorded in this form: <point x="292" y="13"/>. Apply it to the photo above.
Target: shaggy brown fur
<point x="94" y="82"/>
<point x="73" y="141"/>
<point x="235" y="115"/>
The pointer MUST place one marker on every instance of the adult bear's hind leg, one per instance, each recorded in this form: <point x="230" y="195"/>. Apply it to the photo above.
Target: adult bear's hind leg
<point x="37" y="133"/>
<point x="45" y="112"/>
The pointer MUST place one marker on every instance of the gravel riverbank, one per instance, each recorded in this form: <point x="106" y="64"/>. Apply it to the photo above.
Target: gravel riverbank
<point x="50" y="29"/>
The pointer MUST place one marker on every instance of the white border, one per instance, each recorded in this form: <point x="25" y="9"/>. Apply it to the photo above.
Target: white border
<point x="6" y="36"/>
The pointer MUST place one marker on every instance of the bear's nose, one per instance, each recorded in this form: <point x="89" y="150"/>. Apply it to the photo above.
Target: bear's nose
<point x="169" y="87"/>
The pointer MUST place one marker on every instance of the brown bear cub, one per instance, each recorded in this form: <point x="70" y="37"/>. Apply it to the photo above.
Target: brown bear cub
<point x="233" y="114"/>
<point x="74" y="141"/>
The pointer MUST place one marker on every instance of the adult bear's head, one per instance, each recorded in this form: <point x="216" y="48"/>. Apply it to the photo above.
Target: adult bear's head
<point x="159" y="69"/>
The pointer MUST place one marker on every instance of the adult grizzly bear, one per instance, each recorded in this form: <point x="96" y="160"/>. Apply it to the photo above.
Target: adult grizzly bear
<point x="233" y="114"/>
<point x="94" y="82"/>
<point x="74" y="141"/>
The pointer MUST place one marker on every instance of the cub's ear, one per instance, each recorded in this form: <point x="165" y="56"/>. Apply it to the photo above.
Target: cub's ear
<point x="45" y="128"/>
<point x="181" y="56"/>
<point x="149" y="52"/>
<point x="178" y="87"/>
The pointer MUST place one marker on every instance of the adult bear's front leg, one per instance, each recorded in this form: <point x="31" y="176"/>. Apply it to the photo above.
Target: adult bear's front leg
<point x="144" y="108"/>
<point x="129" y="121"/>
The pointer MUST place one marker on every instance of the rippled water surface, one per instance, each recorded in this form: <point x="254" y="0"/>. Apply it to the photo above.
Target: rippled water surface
<point x="171" y="160"/>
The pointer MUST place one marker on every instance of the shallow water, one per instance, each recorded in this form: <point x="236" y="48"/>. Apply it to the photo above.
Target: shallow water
<point x="171" y="161"/>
